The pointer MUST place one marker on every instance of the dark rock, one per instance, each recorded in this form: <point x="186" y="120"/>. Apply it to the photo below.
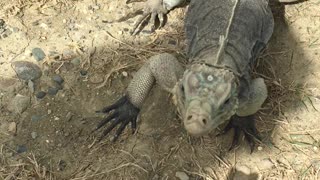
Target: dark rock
<point x="2" y="22"/>
<point x="36" y="117"/>
<point x="21" y="149"/>
<point x="38" y="54"/>
<point x="52" y="91"/>
<point x="4" y="35"/>
<point x="58" y="79"/>
<point x="26" y="70"/>
<point x="83" y="72"/>
<point x="41" y="94"/>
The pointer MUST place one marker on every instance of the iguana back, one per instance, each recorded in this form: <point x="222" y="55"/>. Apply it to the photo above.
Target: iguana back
<point x="207" y="20"/>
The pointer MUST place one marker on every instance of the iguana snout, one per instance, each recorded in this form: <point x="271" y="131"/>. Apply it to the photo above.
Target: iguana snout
<point x="198" y="118"/>
<point x="206" y="97"/>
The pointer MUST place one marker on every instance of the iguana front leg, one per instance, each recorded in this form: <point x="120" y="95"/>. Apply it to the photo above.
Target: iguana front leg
<point x="257" y="95"/>
<point x="153" y="9"/>
<point x="163" y="69"/>
<point x="244" y="120"/>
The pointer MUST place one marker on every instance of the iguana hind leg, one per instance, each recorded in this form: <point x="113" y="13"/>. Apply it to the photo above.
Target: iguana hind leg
<point x="247" y="126"/>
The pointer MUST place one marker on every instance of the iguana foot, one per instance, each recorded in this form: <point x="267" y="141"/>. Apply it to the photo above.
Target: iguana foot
<point x="123" y="113"/>
<point x="152" y="10"/>
<point x="245" y="124"/>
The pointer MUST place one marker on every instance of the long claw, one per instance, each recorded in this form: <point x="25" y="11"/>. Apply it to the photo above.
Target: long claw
<point x="106" y="120"/>
<point x="120" y="130"/>
<point x="235" y="140"/>
<point x="153" y="21"/>
<point x="140" y="23"/>
<point x="124" y="112"/>
<point x="225" y="130"/>
<point x="247" y="126"/>
<point x="250" y="140"/>
<point x="161" y="19"/>
<point x="133" y="126"/>
<point x="105" y="132"/>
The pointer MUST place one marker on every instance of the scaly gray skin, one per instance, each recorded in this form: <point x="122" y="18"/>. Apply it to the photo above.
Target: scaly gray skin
<point x="159" y="8"/>
<point x="225" y="37"/>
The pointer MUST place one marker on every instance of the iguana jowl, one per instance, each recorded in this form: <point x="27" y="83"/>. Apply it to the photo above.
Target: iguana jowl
<point x="224" y="38"/>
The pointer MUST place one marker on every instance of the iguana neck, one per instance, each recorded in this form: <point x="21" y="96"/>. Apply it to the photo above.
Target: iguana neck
<point x="210" y="59"/>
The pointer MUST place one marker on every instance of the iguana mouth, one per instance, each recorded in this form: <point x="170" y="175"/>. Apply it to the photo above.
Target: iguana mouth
<point x="207" y="96"/>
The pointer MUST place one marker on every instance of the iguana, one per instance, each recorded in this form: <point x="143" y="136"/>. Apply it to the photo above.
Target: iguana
<point x="225" y="37"/>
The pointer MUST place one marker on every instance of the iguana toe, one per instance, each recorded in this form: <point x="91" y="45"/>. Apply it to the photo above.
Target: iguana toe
<point x="123" y="113"/>
<point x="247" y="126"/>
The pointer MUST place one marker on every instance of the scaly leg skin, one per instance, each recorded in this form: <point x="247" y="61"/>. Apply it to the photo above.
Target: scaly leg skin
<point x="247" y="126"/>
<point x="163" y="69"/>
<point x="123" y="113"/>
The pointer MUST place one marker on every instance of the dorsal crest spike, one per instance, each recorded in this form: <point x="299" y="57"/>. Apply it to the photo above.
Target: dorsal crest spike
<point x="223" y="39"/>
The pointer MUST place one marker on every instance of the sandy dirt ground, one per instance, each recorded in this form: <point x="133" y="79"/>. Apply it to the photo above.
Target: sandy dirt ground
<point x="50" y="137"/>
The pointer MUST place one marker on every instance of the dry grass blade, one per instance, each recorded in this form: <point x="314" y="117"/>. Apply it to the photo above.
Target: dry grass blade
<point x="21" y="168"/>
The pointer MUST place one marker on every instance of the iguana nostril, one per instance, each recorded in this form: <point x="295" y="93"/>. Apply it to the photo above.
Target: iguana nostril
<point x="189" y="117"/>
<point x="204" y="121"/>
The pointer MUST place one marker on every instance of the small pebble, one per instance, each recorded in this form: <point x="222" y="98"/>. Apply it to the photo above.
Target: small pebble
<point x="31" y="86"/>
<point x="69" y="116"/>
<point x="12" y="128"/>
<point x="2" y="22"/>
<point x="35" y="23"/>
<point x="15" y="29"/>
<point x="125" y="74"/>
<point x="182" y="175"/>
<point x="36" y="117"/>
<point x="38" y="54"/>
<point x="21" y="149"/>
<point x="83" y="73"/>
<point x="34" y="135"/>
<point x="52" y="91"/>
<point x="56" y="118"/>
<point x="41" y="94"/>
<point x="75" y="61"/>
<point x="49" y="111"/>
<point x="260" y="148"/>
<point x="58" y="79"/>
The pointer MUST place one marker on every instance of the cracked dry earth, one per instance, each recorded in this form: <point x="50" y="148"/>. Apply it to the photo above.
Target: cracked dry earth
<point x="48" y="135"/>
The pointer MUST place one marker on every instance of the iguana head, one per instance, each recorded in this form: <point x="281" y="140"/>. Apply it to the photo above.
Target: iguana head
<point x="206" y="97"/>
